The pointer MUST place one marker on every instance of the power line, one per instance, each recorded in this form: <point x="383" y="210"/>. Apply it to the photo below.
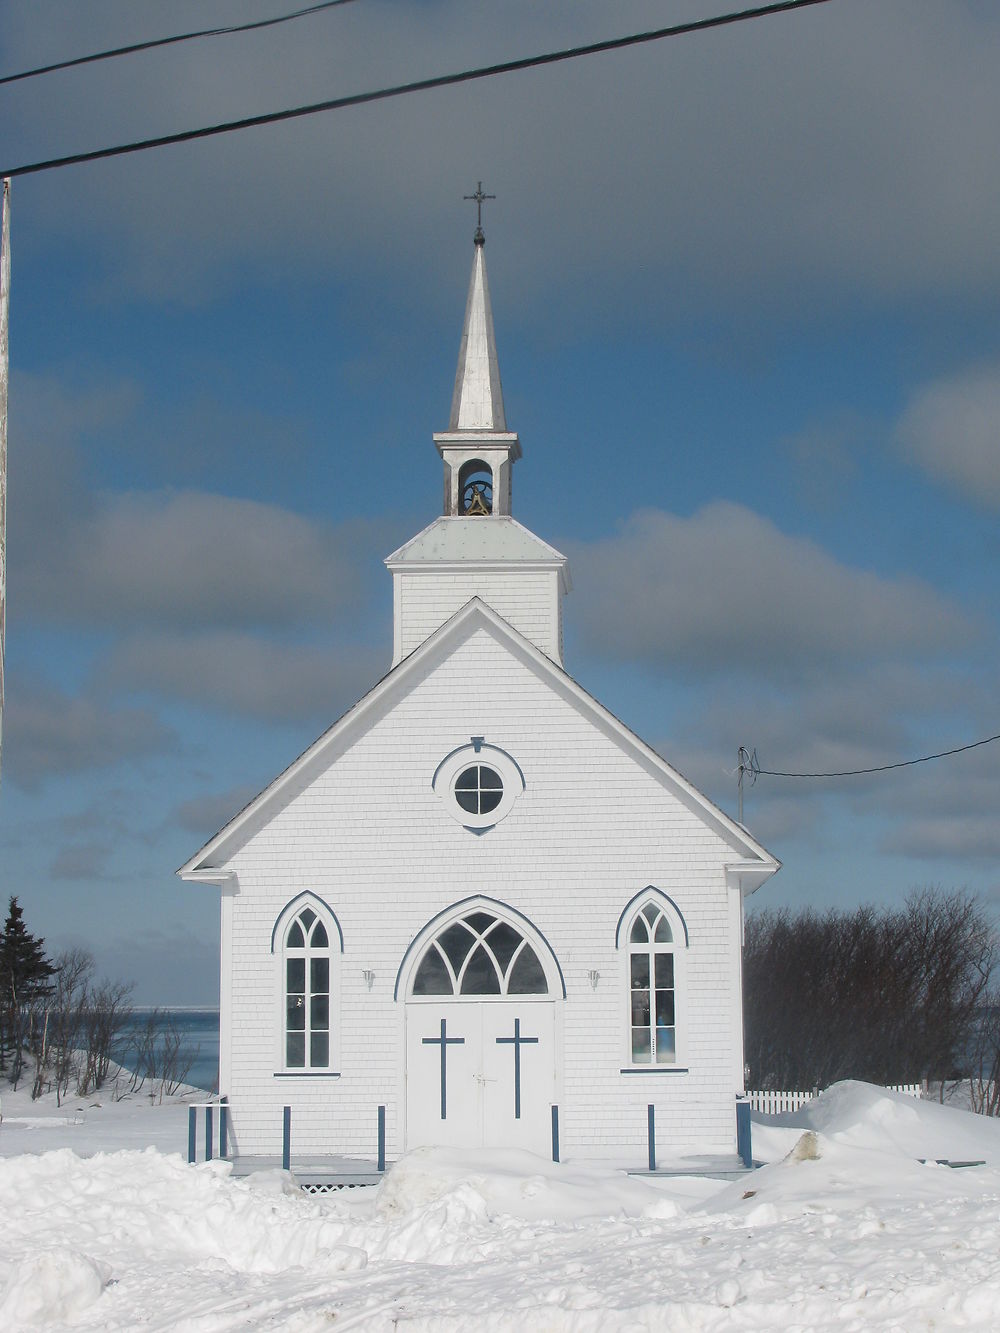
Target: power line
<point x="170" y="41"/>
<point x="748" y="763"/>
<point x="419" y="86"/>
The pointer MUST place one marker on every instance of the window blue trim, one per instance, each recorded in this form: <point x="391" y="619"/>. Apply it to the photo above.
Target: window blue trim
<point x="306" y="1073"/>
<point x="650" y="891"/>
<point x="291" y="907"/>
<point x="656" y="1069"/>
<point x="426" y="933"/>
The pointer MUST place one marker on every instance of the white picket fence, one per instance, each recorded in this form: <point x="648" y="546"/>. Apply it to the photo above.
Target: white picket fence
<point x="777" y="1103"/>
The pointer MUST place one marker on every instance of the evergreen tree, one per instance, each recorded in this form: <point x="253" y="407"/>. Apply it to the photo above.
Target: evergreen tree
<point x="25" y="974"/>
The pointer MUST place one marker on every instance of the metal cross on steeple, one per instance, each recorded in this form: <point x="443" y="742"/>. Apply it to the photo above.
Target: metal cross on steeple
<point x="479" y="198"/>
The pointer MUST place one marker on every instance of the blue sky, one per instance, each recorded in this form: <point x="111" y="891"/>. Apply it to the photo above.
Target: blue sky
<point x="747" y="296"/>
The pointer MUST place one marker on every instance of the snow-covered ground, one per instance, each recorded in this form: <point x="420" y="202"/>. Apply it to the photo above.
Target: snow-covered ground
<point x="845" y="1228"/>
<point x="98" y="1123"/>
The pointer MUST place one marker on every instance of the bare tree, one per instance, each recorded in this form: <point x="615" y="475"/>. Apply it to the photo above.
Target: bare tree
<point x="883" y="996"/>
<point x="38" y="1045"/>
<point x="141" y="1054"/>
<point x="174" y="1067"/>
<point x="107" y="1013"/>
<point x="74" y="969"/>
<point x="984" y="1090"/>
<point x="155" y="1051"/>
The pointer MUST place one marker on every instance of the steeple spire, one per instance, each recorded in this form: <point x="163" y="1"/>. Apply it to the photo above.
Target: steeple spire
<point x="477" y="403"/>
<point x="477" y="449"/>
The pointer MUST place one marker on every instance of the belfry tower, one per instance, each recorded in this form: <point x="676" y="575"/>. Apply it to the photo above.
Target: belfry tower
<point x="477" y="548"/>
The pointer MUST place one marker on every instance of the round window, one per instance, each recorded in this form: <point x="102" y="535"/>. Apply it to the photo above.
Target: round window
<point x="479" y="789"/>
<point x="478" y="784"/>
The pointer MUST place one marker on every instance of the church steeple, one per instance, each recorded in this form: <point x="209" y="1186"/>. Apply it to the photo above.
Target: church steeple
<point x="477" y="403"/>
<point x="476" y="548"/>
<point x="477" y="449"/>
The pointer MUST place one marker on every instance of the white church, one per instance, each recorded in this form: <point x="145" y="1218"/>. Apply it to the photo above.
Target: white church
<point x="479" y="910"/>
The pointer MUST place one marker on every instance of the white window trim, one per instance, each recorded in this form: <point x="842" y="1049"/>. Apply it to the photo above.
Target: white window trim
<point x="678" y="948"/>
<point x="289" y="915"/>
<point x="478" y="752"/>
<point x="503" y="975"/>
<point x="479" y="903"/>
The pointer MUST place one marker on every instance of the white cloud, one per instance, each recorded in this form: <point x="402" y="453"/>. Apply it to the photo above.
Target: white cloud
<point x="942" y="811"/>
<point x="242" y="673"/>
<point x="81" y="860"/>
<point x="951" y="429"/>
<point x="205" y="814"/>
<point x="950" y="839"/>
<point x="191" y="558"/>
<point x="945" y="810"/>
<point x="180" y="557"/>
<point x="725" y="591"/>
<point x="48" y="733"/>
<point x="862" y="133"/>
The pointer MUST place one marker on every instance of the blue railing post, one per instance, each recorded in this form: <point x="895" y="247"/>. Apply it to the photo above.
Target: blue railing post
<point x="381" y="1138"/>
<point x="223" y="1128"/>
<point x="651" y="1134"/>
<point x="192" y="1133"/>
<point x="743" y="1143"/>
<point x="555" y="1133"/>
<point x="208" y="1133"/>
<point x="286" y="1139"/>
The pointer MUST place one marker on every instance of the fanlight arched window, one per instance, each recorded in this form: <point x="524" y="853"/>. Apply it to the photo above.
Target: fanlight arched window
<point x="475" y="488"/>
<point x="480" y="954"/>
<point x="652" y="987"/>
<point x="306" y="953"/>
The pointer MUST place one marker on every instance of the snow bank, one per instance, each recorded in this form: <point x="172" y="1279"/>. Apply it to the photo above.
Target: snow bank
<point x="848" y="1232"/>
<point x="161" y="1205"/>
<point x="51" y="1285"/>
<point x="515" y="1184"/>
<point x="861" y="1115"/>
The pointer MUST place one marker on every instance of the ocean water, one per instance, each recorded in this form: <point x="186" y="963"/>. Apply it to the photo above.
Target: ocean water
<point x="199" y="1031"/>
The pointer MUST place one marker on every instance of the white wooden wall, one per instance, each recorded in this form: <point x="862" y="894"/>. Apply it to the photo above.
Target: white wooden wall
<point x="592" y="828"/>
<point x="530" y="601"/>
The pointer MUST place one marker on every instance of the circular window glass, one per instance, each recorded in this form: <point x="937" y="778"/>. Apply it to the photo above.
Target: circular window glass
<point x="478" y="784"/>
<point x="478" y="789"/>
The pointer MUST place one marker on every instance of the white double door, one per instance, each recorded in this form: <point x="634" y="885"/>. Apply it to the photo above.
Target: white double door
<point x="480" y="1073"/>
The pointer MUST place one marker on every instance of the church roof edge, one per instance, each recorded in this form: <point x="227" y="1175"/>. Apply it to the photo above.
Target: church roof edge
<point x="458" y="539"/>
<point x="199" y="869"/>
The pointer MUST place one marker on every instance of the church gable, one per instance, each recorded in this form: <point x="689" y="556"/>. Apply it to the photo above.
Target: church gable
<point x="478" y="678"/>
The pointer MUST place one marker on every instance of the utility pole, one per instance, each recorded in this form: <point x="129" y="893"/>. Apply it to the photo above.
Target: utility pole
<point x="745" y="762"/>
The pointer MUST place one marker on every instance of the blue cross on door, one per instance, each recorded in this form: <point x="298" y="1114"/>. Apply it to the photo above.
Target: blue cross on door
<point x="517" y="1041"/>
<point x="444" y="1041"/>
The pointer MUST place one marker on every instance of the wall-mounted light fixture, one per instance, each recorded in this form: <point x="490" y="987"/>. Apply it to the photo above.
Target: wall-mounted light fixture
<point x="593" y="976"/>
<point x="369" y="977"/>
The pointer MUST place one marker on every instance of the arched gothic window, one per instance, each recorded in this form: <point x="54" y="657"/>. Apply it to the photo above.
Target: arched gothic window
<point x="479" y="955"/>
<point x="652" y="987"/>
<point x="307" y="957"/>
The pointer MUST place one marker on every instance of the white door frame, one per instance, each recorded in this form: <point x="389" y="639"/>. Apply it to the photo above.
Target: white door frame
<point x="556" y="986"/>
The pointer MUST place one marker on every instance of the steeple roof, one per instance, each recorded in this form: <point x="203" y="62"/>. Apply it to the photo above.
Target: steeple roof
<point x="477" y="403"/>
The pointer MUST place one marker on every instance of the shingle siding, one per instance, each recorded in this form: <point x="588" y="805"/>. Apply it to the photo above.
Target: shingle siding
<point x="529" y="601"/>
<point x="369" y="836"/>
